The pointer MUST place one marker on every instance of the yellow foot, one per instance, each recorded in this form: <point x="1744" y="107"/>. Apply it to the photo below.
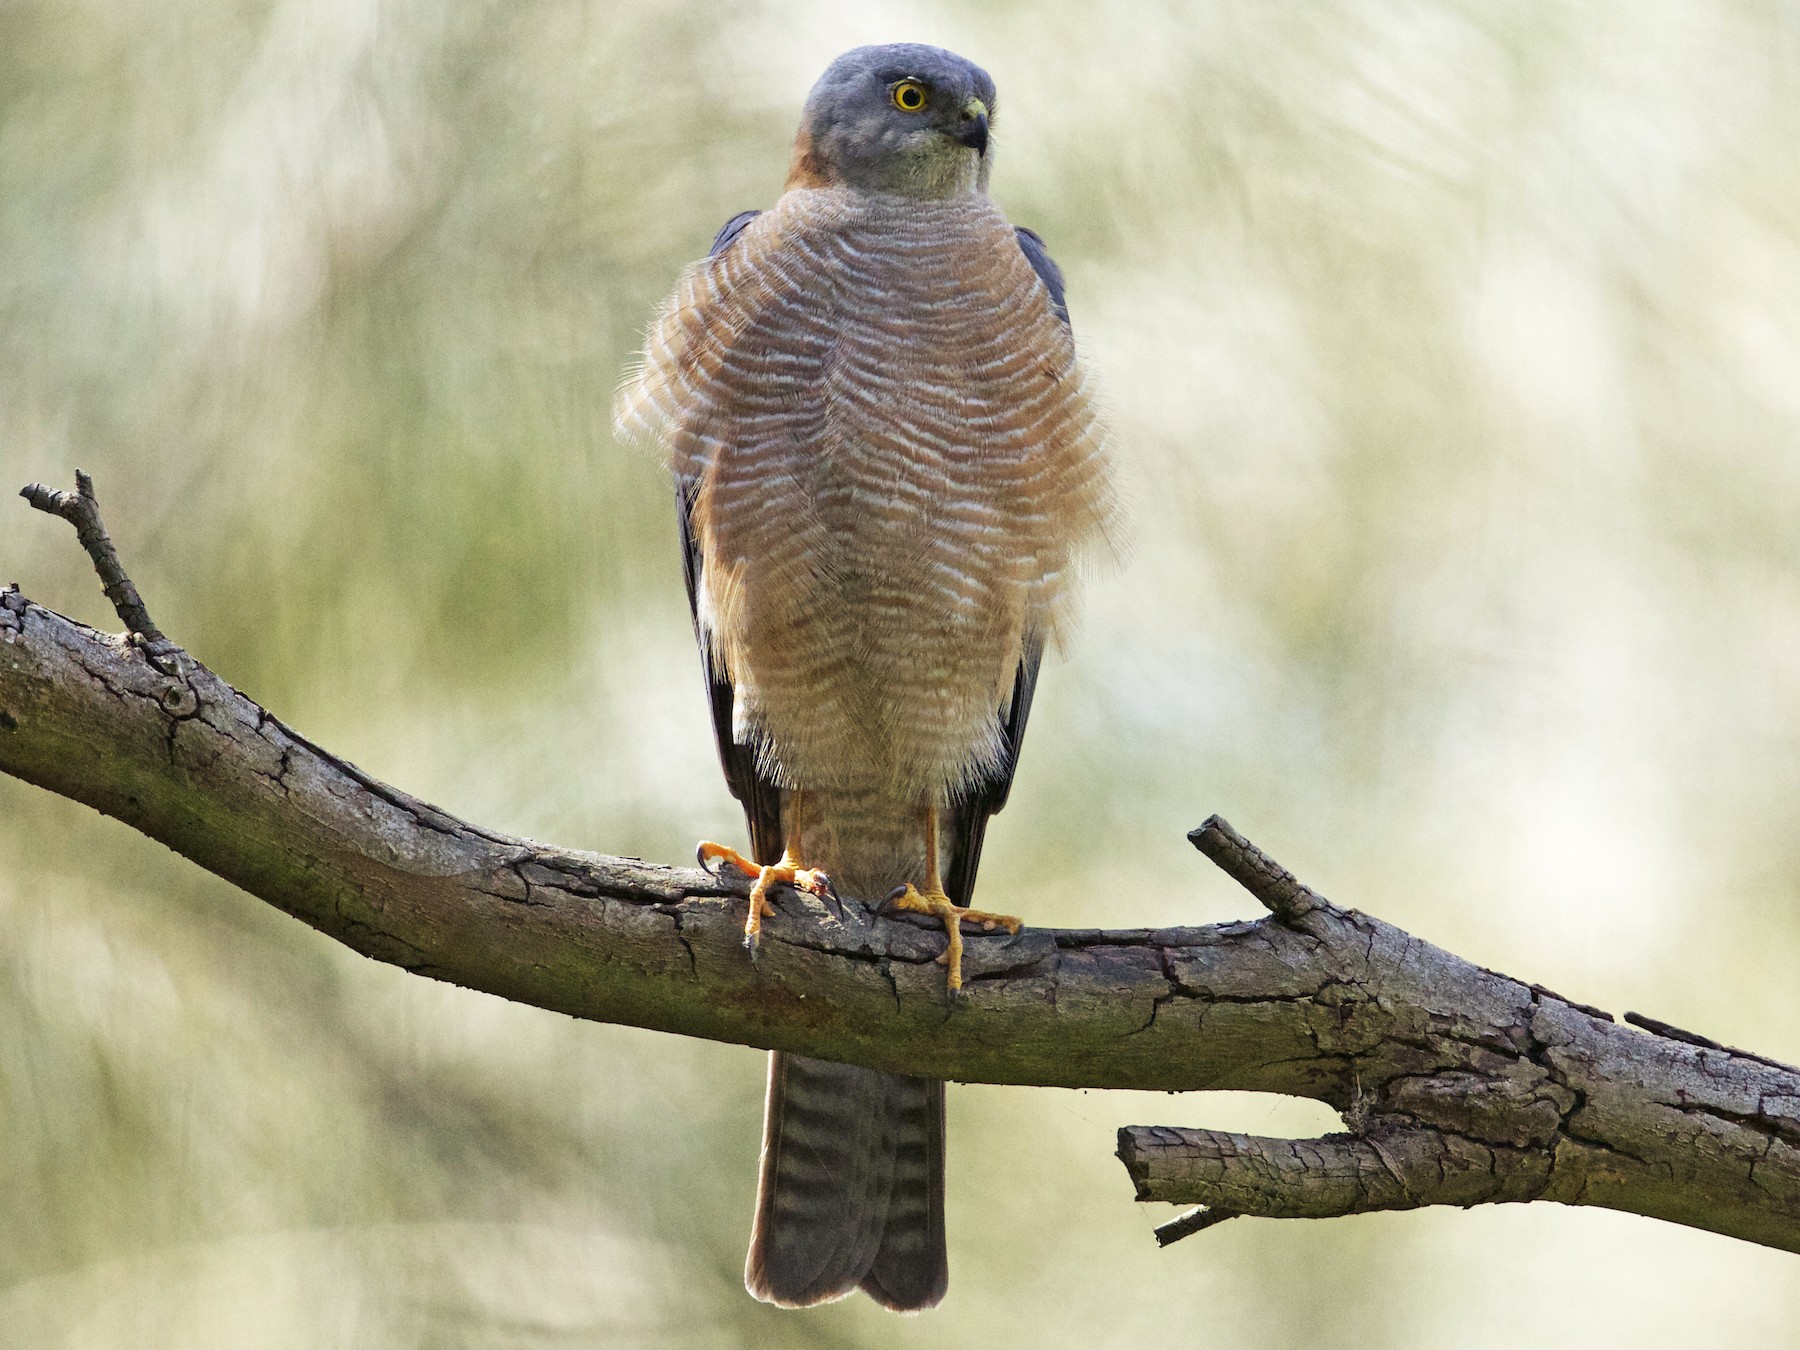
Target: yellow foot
<point x="941" y="906"/>
<point x="788" y="870"/>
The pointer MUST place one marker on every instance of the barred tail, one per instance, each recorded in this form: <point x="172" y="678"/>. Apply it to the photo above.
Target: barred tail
<point x="852" y="1189"/>
<point x="912" y="1269"/>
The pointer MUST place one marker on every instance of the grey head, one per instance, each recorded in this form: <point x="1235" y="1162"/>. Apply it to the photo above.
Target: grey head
<point x="905" y="118"/>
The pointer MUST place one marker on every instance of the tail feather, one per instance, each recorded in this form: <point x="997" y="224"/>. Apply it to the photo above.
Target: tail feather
<point x="852" y="1187"/>
<point x="911" y="1270"/>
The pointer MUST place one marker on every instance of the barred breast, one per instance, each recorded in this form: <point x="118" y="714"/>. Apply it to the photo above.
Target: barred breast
<point x="895" y="466"/>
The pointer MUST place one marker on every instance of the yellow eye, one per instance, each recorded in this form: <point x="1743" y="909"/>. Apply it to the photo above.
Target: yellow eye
<point x="909" y="96"/>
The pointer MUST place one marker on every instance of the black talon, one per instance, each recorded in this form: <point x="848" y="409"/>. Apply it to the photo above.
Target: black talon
<point x="830" y="898"/>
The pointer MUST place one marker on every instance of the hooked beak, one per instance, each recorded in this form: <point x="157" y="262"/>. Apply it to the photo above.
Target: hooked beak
<point x="972" y="131"/>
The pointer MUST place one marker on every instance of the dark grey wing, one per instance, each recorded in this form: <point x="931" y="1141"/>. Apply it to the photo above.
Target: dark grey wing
<point x="1032" y="246"/>
<point x="964" y="822"/>
<point x="759" y="794"/>
<point x="732" y="228"/>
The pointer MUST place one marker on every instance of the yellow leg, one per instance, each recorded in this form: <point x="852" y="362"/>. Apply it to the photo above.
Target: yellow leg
<point x="787" y="871"/>
<point x="933" y="901"/>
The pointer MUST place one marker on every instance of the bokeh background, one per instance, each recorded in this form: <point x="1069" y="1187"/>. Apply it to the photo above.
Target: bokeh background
<point x="1454" y="352"/>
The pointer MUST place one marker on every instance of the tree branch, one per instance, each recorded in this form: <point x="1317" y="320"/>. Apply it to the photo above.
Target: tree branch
<point x="1458" y="1085"/>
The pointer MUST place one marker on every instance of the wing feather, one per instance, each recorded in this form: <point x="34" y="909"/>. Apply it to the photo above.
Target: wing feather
<point x="1031" y="244"/>
<point x="964" y="825"/>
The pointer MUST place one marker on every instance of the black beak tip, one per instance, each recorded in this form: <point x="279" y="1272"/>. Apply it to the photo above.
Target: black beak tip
<point x="974" y="134"/>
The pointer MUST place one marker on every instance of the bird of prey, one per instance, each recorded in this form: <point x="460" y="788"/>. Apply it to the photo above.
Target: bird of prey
<point x="888" y="471"/>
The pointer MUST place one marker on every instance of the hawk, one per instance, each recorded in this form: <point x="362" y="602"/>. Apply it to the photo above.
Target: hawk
<point x="888" y="469"/>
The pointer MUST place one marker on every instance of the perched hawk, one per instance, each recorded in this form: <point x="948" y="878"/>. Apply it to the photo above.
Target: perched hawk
<point x="887" y="467"/>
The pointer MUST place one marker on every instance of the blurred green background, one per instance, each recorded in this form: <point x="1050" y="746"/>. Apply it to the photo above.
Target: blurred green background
<point x="1454" y="353"/>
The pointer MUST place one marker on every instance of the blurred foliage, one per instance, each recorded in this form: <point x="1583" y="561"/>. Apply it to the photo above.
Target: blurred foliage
<point x="1455" y="352"/>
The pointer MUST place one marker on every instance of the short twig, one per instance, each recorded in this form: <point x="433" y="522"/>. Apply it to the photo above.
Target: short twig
<point x="82" y="510"/>
<point x="1271" y="883"/>
<point x="1194" y="1221"/>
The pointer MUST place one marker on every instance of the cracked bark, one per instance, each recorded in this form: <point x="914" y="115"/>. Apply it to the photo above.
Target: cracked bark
<point x="1458" y="1085"/>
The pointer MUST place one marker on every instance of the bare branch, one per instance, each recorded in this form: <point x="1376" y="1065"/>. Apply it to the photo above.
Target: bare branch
<point x="1458" y="1085"/>
<point x="82" y="510"/>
